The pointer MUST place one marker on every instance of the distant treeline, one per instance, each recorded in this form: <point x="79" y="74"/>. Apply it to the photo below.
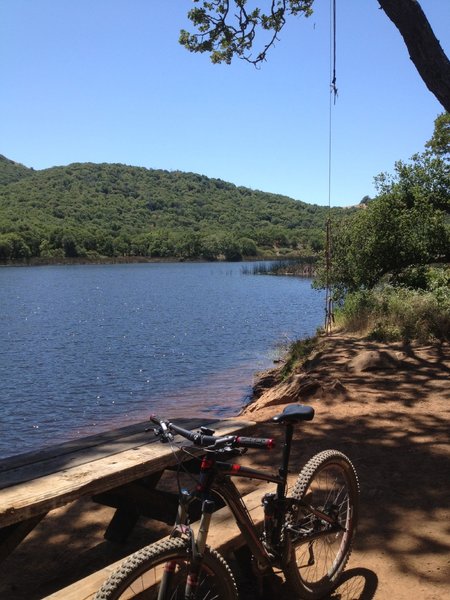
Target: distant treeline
<point x="112" y="210"/>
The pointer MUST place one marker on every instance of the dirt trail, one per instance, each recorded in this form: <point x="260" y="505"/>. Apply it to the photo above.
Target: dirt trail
<point x="392" y="420"/>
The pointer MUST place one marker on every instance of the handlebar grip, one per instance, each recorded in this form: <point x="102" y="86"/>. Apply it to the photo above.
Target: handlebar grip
<point x="249" y="442"/>
<point x="155" y="419"/>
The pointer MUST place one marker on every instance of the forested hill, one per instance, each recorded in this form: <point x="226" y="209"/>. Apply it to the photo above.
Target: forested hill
<point x="11" y="171"/>
<point x="95" y="210"/>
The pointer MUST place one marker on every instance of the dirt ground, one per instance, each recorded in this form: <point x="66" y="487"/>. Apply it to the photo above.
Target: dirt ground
<point x="384" y="406"/>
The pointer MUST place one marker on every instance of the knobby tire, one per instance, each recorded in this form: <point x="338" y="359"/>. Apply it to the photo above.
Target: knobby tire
<point x="139" y="576"/>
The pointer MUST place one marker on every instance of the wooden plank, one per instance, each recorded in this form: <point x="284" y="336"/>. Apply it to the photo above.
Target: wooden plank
<point x="54" y="450"/>
<point x="42" y="494"/>
<point x="31" y="465"/>
<point x="224" y="536"/>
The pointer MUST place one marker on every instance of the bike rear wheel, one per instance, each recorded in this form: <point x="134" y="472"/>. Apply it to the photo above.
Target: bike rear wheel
<point x="142" y="575"/>
<point x="319" y="551"/>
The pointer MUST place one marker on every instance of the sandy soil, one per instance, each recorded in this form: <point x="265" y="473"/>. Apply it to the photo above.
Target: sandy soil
<point x="384" y="406"/>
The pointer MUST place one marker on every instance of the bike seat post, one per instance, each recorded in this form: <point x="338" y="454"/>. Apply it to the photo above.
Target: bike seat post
<point x="284" y="469"/>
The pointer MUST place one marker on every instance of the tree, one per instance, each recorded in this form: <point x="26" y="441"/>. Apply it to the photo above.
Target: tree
<point x="439" y="144"/>
<point x="404" y="227"/>
<point x="12" y="246"/>
<point x="228" y="28"/>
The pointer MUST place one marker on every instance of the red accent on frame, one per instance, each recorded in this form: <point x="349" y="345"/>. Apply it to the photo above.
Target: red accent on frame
<point x="270" y="443"/>
<point x="235" y="468"/>
<point x="207" y="463"/>
<point x="169" y="567"/>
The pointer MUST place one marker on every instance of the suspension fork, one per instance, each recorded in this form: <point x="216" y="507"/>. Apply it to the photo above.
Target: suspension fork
<point x="181" y="527"/>
<point x="198" y="544"/>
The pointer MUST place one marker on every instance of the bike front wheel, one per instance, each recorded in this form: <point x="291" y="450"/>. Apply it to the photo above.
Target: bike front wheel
<point x="160" y="572"/>
<point x="320" y="549"/>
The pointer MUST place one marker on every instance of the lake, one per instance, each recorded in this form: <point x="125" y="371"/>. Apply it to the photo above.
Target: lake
<point x="87" y="348"/>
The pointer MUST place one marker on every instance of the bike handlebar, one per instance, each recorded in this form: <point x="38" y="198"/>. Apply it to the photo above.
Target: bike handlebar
<point x="204" y="440"/>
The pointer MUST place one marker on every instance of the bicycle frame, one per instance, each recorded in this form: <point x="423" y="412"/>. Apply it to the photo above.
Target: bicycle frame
<point x="215" y="476"/>
<point x="226" y="489"/>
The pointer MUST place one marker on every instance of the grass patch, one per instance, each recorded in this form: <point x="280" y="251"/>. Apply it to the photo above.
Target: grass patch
<point x="399" y="313"/>
<point x="298" y="352"/>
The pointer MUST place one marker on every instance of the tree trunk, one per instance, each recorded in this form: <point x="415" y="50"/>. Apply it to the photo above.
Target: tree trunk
<point x="424" y="48"/>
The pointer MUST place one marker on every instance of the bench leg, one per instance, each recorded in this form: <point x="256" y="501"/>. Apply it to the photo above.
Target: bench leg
<point x="128" y="503"/>
<point x="12" y="535"/>
<point x="122" y="524"/>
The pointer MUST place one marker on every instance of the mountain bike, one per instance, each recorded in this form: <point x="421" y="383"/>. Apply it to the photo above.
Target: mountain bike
<point x="306" y="534"/>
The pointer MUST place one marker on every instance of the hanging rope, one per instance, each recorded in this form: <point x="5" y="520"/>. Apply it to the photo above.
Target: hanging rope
<point x="329" y="317"/>
<point x="334" y="89"/>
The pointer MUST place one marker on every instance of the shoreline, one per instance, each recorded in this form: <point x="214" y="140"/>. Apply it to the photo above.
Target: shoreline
<point x="316" y="377"/>
<point x="45" y="262"/>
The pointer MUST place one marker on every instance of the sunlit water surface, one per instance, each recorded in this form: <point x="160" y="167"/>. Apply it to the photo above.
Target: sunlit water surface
<point x="87" y="348"/>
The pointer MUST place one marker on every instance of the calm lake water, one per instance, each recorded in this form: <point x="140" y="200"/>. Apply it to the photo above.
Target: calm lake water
<point x="87" y="348"/>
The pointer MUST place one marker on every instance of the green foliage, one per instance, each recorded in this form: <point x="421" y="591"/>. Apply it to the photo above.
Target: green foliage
<point x="227" y="28"/>
<point x="391" y="313"/>
<point x="386" y="255"/>
<point x="439" y="144"/>
<point x="11" y="171"/>
<point x="13" y="247"/>
<point x="405" y="227"/>
<point x="92" y="210"/>
<point x="298" y="352"/>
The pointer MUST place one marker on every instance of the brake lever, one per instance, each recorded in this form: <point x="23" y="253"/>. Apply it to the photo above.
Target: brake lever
<point x="228" y="450"/>
<point x="161" y="432"/>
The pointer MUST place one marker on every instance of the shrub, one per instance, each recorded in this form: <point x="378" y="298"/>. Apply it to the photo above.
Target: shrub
<point x="298" y="352"/>
<point x="397" y="313"/>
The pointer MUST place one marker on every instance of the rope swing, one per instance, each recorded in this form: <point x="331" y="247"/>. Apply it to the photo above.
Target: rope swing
<point x="329" y="316"/>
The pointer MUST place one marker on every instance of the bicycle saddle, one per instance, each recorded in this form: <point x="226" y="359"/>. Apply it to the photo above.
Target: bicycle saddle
<point x="294" y="413"/>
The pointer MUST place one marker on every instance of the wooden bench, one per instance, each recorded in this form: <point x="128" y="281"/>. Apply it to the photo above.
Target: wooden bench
<point x="114" y="467"/>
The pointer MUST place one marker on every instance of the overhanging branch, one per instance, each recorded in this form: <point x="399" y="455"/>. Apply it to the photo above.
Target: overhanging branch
<point x="424" y="48"/>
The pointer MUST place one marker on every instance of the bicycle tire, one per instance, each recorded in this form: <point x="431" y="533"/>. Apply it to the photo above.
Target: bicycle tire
<point x="139" y="576"/>
<point x="329" y="483"/>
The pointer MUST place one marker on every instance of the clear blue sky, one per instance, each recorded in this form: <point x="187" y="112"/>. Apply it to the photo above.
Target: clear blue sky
<point x="106" y="81"/>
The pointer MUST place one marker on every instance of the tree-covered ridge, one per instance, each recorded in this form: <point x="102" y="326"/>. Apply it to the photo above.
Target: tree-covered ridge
<point x="11" y="171"/>
<point x="87" y="209"/>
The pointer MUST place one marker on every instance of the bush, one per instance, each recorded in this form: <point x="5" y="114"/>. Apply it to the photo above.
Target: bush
<point x="398" y="313"/>
<point x="298" y="352"/>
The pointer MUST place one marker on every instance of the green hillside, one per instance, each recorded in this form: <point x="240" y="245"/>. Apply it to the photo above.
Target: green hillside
<point x="11" y="171"/>
<point x="94" y="210"/>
